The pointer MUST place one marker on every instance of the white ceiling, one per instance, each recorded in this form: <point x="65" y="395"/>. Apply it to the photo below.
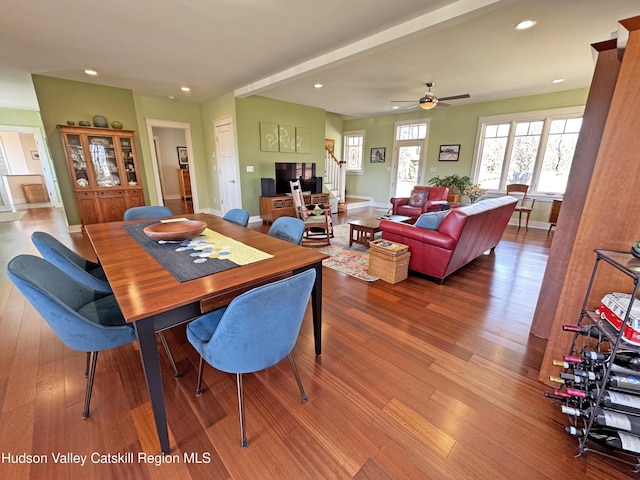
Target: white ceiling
<point x="365" y="52"/>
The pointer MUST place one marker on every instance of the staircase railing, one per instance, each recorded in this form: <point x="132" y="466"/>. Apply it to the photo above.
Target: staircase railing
<point x="335" y="175"/>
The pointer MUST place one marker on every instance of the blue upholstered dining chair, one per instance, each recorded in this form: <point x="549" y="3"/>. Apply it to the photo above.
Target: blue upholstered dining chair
<point x="287" y="228"/>
<point x="237" y="216"/>
<point x="84" y="319"/>
<point x="84" y="271"/>
<point x="88" y="273"/>
<point x="147" y="211"/>
<point x="255" y="331"/>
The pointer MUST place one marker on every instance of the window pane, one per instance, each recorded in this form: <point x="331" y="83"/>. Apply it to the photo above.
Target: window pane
<point x="525" y="150"/>
<point x="353" y="152"/>
<point x="408" y="169"/>
<point x="493" y="151"/>
<point x="558" y="155"/>
<point x="412" y="132"/>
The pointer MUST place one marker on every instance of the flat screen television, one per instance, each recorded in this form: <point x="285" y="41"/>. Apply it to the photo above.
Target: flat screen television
<point x="288" y="171"/>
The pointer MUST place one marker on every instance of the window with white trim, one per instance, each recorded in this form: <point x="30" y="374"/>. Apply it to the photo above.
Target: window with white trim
<point x="354" y="151"/>
<point x="535" y="148"/>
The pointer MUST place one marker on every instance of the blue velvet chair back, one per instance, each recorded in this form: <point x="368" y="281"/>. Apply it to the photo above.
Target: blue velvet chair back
<point x="287" y="228"/>
<point x="237" y="216"/>
<point x="84" y="319"/>
<point x="83" y="270"/>
<point x="147" y="211"/>
<point x="257" y="329"/>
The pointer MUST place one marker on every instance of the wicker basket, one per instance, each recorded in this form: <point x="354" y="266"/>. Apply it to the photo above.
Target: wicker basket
<point x="391" y="269"/>
<point x="385" y="247"/>
<point x="35" y="193"/>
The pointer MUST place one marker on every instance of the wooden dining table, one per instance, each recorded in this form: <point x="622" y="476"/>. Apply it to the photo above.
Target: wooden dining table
<point x="153" y="300"/>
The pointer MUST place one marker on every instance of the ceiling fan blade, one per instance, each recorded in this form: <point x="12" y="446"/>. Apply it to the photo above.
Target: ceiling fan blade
<point x="455" y="97"/>
<point x="412" y="106"/>
<point x="402" y="101"/>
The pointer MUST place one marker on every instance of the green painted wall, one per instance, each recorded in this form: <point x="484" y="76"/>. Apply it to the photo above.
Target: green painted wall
<point x="220" y="108"/>
<point x="21" y="118"/>
<point x="150" y="108"/>
<point x="451" y="125"/>
<point x="253" y="110"/>
<point x="61" y="100"/>
<point x="334" y="126"/>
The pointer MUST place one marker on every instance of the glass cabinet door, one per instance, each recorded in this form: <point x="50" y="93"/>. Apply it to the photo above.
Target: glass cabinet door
<point x="105" y="162"/>
<point x="79" y="162"/>
<point x="129" y="162"/>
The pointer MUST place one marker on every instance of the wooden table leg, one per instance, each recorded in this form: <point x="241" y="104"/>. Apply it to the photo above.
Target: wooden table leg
<point x="316" y="306"/>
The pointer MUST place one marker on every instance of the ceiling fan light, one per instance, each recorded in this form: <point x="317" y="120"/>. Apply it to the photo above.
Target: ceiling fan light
<point x="428" y="102"/>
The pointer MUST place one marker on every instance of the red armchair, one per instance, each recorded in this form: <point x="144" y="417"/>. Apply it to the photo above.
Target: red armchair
<point x="437" y="197"/>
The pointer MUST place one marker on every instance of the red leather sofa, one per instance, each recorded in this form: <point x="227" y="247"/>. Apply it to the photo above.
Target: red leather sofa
<point x="437" y="197"/>
<point x="463" y="235"/>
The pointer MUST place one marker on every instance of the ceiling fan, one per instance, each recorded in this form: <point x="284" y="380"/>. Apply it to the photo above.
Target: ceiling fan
<point x="429" y="100"/>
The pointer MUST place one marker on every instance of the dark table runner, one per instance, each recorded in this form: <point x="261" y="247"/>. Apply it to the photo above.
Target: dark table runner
<point x="181" y="262"/>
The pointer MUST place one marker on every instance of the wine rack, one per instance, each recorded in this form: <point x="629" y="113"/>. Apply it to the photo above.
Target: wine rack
<point x="599" y="385"/>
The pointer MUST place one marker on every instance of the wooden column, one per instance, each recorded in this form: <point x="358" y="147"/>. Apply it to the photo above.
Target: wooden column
<point x="601" y="207"/>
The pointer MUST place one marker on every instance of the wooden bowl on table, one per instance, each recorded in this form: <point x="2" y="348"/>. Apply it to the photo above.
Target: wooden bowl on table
<point x="175" y="231"/>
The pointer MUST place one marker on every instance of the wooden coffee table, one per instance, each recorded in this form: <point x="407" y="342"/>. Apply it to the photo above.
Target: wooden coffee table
<point x="366" y="228"/>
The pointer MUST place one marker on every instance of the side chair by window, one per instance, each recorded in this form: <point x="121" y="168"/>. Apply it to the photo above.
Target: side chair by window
<point x="255" y="331"/>
<point x="287" y="228"/>
<point x="524" y="205"/>
<point x="147" y="211"/>
<point x="237" y="216"/>
<point x="88" y="273"/>
<point x="84" y="319"/>
<point x="318" y="228"/>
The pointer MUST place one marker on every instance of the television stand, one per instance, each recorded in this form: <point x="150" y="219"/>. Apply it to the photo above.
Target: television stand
<point x="272" y="208"/>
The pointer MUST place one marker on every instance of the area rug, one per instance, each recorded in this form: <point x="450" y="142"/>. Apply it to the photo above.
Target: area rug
<point x="352" y="260"/>
<point x="11" y="216"/>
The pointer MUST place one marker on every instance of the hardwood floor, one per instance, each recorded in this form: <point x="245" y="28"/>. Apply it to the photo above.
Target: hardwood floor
<point x="416" y="381"/>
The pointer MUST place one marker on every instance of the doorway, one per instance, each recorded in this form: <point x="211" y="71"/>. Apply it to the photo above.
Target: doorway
<point x="172" y="160"/>
<point x="409" y="153"/>
<point x="25" y="160"/>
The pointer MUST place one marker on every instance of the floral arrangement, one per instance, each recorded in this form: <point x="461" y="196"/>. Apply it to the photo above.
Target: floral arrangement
<point x="474" y="192"/>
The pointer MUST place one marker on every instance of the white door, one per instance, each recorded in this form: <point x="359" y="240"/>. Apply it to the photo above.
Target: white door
<point x="408" y="164"/>
<point x="228" y="168"/>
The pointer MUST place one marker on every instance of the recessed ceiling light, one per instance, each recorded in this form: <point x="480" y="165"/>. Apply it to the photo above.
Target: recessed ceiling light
<point x="89" y="71"/>
<point x="557" y="80"/>
<point x="395" y="107"/>
<point x="171" y="97"/>
<point x="185" y="89"/>
<point x="523" y="25"/>
<point x="317" y="85"/>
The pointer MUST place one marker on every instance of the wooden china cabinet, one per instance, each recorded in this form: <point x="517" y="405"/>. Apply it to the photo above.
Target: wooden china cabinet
<point x="104" y="171"/>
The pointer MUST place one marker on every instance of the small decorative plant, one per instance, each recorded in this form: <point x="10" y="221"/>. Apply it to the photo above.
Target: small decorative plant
<point x="474" y="192"/>
<point x="455" y="183"/>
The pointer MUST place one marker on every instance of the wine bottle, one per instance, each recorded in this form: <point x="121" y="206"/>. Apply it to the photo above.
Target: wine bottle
<point x="624" y="382"/>
<point x="629" y="360"/>
<point x="587" y="330"/>
<point x="622" y="441"/>
<point x="621" y="401"/>
<point x="578" y="381"/>
<point x="591" y="380"/>
<point x="607" y="418"/>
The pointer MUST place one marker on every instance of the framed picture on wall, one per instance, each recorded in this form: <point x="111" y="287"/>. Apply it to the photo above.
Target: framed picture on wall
<point x="183" y="157"/>
<point x="449" y="153"/>
<point x="378" y="154"/>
